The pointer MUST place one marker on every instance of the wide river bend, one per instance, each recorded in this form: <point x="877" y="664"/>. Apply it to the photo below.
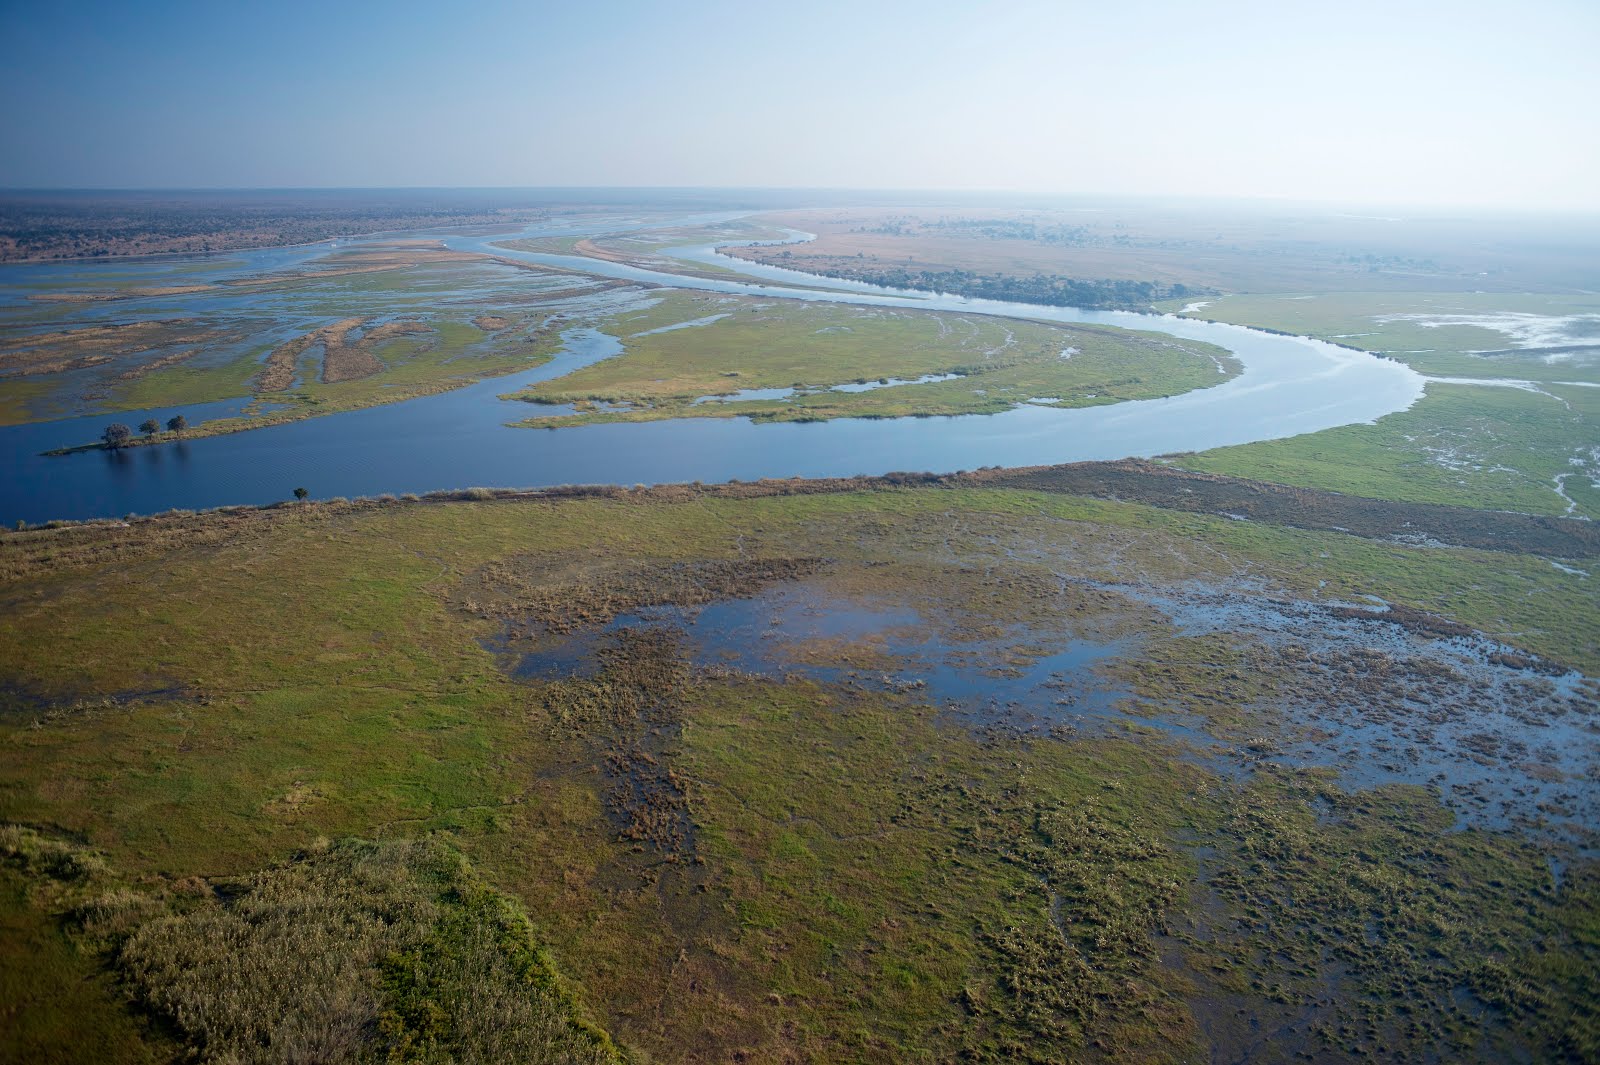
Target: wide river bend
<point x="1289" y="386"/>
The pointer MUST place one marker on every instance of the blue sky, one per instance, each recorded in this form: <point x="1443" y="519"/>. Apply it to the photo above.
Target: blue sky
<point x="1448" y="103"/>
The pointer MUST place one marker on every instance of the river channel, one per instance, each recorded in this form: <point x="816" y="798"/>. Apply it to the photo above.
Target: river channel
<point x="1289" y="385"/>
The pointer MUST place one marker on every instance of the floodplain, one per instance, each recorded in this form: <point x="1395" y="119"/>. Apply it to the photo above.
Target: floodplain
<point x="1284" y="751"/>
<point x="847" y="770"/>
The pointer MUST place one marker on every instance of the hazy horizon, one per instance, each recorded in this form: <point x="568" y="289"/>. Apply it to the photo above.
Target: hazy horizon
<point x="1392" y="105"/>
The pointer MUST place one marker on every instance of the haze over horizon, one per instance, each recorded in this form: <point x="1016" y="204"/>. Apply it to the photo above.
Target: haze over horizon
<point x="1399" y="103"/>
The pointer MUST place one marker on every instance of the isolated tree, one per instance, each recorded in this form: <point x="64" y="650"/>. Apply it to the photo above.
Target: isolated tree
<point x="300" y="493"/>
<point x="177" y="423"/>
<point x="149" y="427"/>
<point x="116" y="435"/>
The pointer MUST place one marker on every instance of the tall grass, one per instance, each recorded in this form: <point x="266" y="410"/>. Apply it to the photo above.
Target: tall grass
<point x="363" y="952"/>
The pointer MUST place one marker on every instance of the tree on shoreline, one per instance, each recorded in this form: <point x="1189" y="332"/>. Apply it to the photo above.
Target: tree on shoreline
<point x="116" y="435"/>
<point x="149" y="427"/>
<point x="177" y="423"/>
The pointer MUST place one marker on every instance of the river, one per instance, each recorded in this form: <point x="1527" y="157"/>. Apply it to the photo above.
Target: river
<point x="1289" y="386"/>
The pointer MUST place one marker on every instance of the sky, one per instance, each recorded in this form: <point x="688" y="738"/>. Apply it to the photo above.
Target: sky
<point x="1449" y="103"/>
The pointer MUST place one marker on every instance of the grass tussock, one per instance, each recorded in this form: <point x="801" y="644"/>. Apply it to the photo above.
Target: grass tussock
<point x="33" y="852"/>
<point x="1085" y="975"/>
<point x="1440" y="942"/>
<point x="364" y="952"/>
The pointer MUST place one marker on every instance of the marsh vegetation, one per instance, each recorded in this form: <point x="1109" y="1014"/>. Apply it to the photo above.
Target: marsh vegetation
<point x="798" y="850"/>
<point x="1281" y="752"/>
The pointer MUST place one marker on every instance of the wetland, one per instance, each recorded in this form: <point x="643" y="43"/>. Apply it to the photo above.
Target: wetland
<point x="837" y="770"/>
<point x="1218" y="685"/>
<point x="368" y="369"/>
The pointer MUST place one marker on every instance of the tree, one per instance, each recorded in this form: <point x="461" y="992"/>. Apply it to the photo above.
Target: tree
<point x="149" y="427"/>
<point x="116" y="435"/>
<point x="300" y="493"/>
<point x="177" y="423"/>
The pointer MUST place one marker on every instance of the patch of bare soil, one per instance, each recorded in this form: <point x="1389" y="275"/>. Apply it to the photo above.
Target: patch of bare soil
<point x="343" y="358"/>
<point x="120" y="294"/>
<point x="347" y="360"/>
<point x="76" y="349"/>
<point x="536" y="600"/>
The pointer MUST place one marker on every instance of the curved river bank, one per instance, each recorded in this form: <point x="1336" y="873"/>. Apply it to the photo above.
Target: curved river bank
<point x="1289" y="386"/>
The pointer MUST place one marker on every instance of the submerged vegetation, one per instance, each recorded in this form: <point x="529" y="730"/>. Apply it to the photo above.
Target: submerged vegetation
<point x="378" y="323"/>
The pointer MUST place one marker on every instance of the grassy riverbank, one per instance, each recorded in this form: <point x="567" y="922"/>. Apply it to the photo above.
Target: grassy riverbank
<point x="1544" y="337"/>
<point x="1529" y="448"/>
<point x="1471" y="445"/>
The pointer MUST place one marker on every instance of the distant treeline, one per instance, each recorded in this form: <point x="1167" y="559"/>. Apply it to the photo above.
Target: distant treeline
<point x="80" y="225"/>
<point x="1049" y="289"/>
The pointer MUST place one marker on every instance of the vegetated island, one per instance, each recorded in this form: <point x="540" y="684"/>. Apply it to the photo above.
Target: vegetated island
<point x="769" y="359"/>
<point x="371" y="334"/>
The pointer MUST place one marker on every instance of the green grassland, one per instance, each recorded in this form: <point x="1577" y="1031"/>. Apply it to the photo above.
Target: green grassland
<point x="1485" y="446"/>
<point x="1477" y="446"/>
<point x="825" y="872"/>
<point x="1440" y="347"/>
<point x="183" y="384"/>
<point x="545" y="245"/>
<point x="761" y="344"/>
<point x="646" y="243"/>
